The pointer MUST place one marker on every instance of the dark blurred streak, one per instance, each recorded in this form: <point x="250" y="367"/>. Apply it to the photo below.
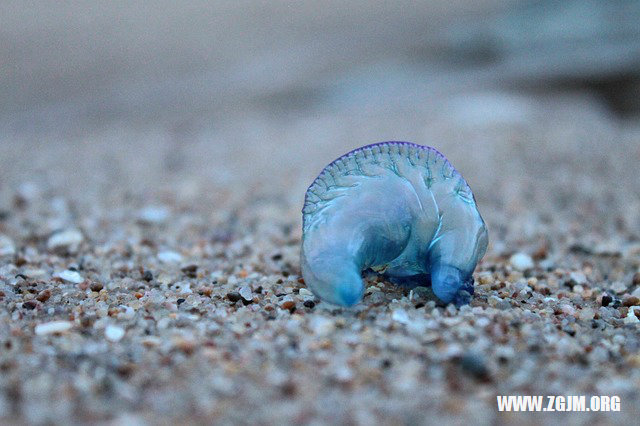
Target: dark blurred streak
<point x="549" y="45"/>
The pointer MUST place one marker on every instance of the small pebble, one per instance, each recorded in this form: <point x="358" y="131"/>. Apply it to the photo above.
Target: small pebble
<point x="631" y="317"/>
<point x="43" y="296"/>
<point x="96" y="287"/>
<point x="619" y="287"/>
<point x="305" y="292"/>
<point x="234" y="296"/>
<point x="190" y="270"/>
<point x="631" y="301"/>
<point x="70" y="276"/>
<point x="169" y="256"/>
<point x="400" y="315"/>
<point x="309" y="304"/>
<point x="321" y="325"/>
<point x="474" y="365"/>
<point x="568" y="309"/>
<point x="586" y="314"/>
<point x="521" y="261"/>
<point x="153" y="215"/>
<point x="288" y="305"/>
<point x="7" y="248"/>
<point x="29" y="304"/>
<point x="245" y="292"/>
<point x="606" y="299"/>
<point x="52" y="327"/>
<point x="68" y="240"/>
<point x="114" y="333"/>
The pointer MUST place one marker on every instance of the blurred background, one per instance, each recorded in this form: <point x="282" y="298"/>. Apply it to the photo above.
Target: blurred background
<point x="256" y="95"/>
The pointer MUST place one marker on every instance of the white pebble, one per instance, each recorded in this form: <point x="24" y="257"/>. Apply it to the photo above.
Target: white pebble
<point x="586" y="314"/>
<point x="619" y="287"/>
<point x="153" y="214"/>
<point x="631" y="317"/>
<point x="70" y="276"/>
<point x="28" y="191"/>
<point x="69" y="239"/>
<point x="579" y="277"/>
<point x="521" y="261"/>
<point x="400" y="315"/>
<point x="245" y="292"/>
<point x="53" y="327"/>
<point x="321" y="326"/>
<point x="636" y="292"/>
<point x="113" y="333"/>
<point x="568" y="309"/>
<point x="169" y="256"/>
<point x="305" y="293"/>
<point x="7" y="248"/>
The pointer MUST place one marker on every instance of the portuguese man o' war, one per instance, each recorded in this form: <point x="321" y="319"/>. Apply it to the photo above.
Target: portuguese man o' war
<point x="399" y="209"/>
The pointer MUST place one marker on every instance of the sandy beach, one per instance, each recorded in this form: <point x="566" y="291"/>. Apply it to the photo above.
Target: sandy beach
<point x="150" y="231"/>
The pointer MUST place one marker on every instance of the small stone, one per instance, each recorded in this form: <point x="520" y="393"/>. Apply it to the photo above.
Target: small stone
<point x="321" y="325"/>
<point x="305" y="292"/>
<point x="96" y="287"/>
<point x="147" y="276"/>
<point x="343" y="374"/>
<point x="27" y="191"/>
<point x="484" y="278"/>
<point x="423" y="293"/>
<point x="185" y="345"/>
<point x="70" y="276"/>
<point x="521" y="261"/>
<point x="636" y="279"/>
<point x="43" y="296"/>
<point x="630" y="301"/>
<point x="68" y="240"/>
<point x="170" y="256"/>
<point x="52" y="327"/>
<point x="153" y="215"/>
<point x="606" y="299"/>
<point x="578" y="278"/>
<point x="400" y="315"/>
<point x="618" y="287"/>
<point x="113" y="333"/>
<point x="568" y="309"/>
<point x="180" y="301"/>
<point x="309" y="304"/>
<point x="631" y="317"/>
<point x="29" y="304"/>
<point x="474" y="365"/>
<point x="586" y="314"/>
<point x="234" y="296"/>
<point x="7" y="248"/>
<point x="245" y="292"/>
<point x="288" y="305"/>
<point x="190" y="270"/>
<point x="636" y="292"/>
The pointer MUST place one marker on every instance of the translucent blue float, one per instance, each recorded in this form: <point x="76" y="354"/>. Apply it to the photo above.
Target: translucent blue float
<point x="399" y="209"/>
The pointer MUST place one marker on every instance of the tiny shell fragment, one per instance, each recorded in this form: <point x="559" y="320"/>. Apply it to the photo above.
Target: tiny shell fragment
<point x="52" y="327"/>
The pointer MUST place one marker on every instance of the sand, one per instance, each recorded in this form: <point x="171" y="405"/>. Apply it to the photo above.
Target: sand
<point x="149" y="257"/>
